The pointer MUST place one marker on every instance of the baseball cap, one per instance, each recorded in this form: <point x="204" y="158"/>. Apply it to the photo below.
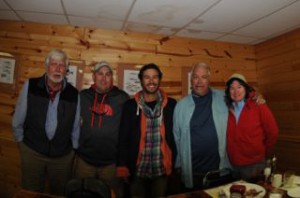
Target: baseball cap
<point x="102" y="64"/>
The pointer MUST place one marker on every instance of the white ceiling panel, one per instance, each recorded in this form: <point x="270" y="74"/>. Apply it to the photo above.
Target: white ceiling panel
<point x="139" y="27"/>
<point x="275" y="23"/>
<point x="96" y="22"/>
<point x="237" y="39"/>
<point x="112" y="9"/>
<point x="169" y="13"/>
<point x="229" y="15"/>
<point x="256" y="41"/>
<point x="45" y="6"/>
<point x="8" y="15"/>
<point x="43" y="18"/>
<point x="199" y="34"/>
<point x="240" y="21"/>
<point x="166" y="31"/>
<point x="3" y="6"/>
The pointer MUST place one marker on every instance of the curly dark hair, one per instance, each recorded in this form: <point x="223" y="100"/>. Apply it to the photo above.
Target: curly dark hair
<point x="149" y="66"/>
<point x="247" y="87"/>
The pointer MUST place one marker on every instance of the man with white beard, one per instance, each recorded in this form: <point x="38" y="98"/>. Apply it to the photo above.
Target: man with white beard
<point x="46" y="126"/>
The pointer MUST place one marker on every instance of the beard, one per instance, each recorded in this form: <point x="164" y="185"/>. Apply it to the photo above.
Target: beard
<point x="56" y="78"/>
<point x="148" y="90"/>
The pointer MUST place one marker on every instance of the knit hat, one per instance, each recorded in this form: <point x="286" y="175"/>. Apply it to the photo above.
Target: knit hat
<point x="102" y="64"/>
<point x="237" y="76"/>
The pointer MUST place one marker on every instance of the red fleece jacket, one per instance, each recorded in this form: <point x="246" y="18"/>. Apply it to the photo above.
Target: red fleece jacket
<point x="249" y="140"/>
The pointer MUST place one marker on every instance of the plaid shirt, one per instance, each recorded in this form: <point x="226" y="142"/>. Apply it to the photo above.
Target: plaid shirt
<point x="151" y="163"/>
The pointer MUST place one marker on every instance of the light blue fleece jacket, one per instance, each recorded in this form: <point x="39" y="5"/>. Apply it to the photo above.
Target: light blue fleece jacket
<point x="181" y="128"/>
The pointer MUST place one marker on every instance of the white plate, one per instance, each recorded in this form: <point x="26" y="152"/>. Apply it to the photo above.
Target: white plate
<point x="248" y="187"/>
<point x="294" y="192"/>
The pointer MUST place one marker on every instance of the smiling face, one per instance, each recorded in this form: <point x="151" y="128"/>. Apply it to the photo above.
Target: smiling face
<point x="237" y="91"/>
<point x="103" y="79"/>
<point x="150" y="81"/>
<point x="56" y="70"/>
<point x="200" y="81"/>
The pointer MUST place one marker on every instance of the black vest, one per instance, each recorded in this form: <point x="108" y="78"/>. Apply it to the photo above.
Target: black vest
<point x="37" y="106"/>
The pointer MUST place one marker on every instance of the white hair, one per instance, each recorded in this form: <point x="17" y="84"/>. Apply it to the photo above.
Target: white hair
<point x="57" y="54"/>
<point x="201" y="65"/>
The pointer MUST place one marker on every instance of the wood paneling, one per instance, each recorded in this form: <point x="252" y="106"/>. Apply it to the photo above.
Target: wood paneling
<point x="9" y="164"/>
<point x="272" y="66"/>
<point x="32" y="41"/>
<point x="278" y="74"/>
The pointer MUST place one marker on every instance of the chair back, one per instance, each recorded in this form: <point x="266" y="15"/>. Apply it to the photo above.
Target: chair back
<point x="217" y="178"/>
<point x="87" y="188"/>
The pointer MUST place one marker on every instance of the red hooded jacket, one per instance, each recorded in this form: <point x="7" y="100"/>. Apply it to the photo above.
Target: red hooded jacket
<point x="249" y="140"/>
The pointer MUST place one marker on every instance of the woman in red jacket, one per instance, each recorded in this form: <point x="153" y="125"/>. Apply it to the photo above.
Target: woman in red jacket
<point x="251" y="131"/>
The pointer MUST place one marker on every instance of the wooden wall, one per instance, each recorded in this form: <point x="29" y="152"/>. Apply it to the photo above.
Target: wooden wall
<point x="32" y="41"/>
<point x="278" y="73"/>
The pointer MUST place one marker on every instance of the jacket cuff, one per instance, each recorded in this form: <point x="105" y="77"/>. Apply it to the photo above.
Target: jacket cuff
<point x="122" y="171"/>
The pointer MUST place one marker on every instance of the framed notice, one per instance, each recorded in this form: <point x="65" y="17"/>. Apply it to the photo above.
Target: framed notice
<point x="75" y="74"/>
<point x="186" y="80"/>
<point x="128" y="79"/>
<point x="8" y="73"/>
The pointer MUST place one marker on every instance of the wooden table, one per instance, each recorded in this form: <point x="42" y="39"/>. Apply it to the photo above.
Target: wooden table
<point x="29" y="194"/>
<point x="203" y="194"/>
<point x="194" y="194"/>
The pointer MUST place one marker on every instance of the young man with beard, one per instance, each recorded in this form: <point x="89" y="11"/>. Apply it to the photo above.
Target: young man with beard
<point x="147" y="147"/>
<point x="101" y="108"/>
<point x="46" y="126"/>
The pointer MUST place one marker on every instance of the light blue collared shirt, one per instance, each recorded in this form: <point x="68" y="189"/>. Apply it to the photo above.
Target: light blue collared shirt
<point x="238" y="107"/>
<point x="51" y="119"/>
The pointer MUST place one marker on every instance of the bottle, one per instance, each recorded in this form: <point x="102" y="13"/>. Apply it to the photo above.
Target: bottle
<point x="268" y="171"/>
<point x="274" y="164"/>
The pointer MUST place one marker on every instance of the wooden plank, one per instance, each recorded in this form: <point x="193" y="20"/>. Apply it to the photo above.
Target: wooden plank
<point x="286" y="152"/>
<point x="277" y="41"/>
<point x="282" y="49"/>
<point x="270" y="70"/>
<point x="279" y="59"/>
<point x="284" y="105"/>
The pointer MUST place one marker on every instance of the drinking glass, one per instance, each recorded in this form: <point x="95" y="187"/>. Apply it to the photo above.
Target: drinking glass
<point x="288" y="178"/>
<point x="267" y="173"/>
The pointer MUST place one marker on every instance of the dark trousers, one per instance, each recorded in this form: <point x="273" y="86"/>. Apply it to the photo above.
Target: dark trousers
<point x="107" y="173"/>
<point x="149" y="187"/>
<point x="37" y="168"/>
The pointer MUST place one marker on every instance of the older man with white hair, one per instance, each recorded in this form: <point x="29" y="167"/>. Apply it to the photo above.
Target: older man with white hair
<point x="46" y="126"/>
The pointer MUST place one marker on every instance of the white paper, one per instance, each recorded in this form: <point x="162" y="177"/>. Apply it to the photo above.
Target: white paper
<point x="131" y="82"/>
<point x="72" y="75"/>
<point x="7" y="70"/>
<point x="189" y="83"/>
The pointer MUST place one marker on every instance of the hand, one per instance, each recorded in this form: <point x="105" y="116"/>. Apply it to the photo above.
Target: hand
<point x="259" y="98"/>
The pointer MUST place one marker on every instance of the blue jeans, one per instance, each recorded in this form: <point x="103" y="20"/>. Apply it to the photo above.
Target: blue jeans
<point x="249" y="172"/>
